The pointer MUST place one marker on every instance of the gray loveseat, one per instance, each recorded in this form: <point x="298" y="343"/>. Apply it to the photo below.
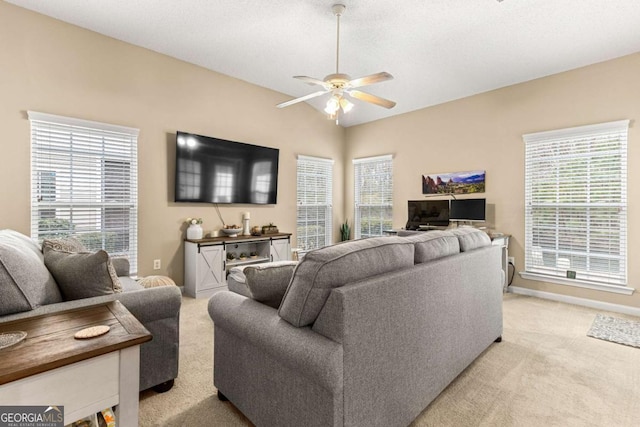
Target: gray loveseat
<point x="368" y="333"/>
<point x="28" y="289"/>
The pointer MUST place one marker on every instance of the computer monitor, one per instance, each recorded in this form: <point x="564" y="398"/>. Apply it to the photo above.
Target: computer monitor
<point x="427" y="213"/>
<point x="468" y="210"/>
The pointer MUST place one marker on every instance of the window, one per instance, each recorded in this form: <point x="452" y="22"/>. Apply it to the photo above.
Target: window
<point x="373" y="196"/>
<point x="84" y="183"/>
<point x="576" y="205"/>
<point x="315" y="198"/>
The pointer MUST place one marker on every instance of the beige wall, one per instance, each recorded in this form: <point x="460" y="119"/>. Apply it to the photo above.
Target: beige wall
<point x="485" y="132"/>
<point x="53" y="67"/>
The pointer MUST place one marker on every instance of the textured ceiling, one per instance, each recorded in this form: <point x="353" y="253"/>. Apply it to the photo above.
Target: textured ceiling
<point x="437" y="50"/>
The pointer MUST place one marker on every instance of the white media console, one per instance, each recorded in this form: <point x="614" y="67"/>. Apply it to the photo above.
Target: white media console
<point x="206" y="264"/>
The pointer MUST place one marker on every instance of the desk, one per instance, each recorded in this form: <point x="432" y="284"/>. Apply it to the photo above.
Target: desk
<point x="51" y="367"/>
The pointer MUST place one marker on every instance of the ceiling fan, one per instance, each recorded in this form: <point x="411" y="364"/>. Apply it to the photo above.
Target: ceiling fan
<point x="339" y="84"/>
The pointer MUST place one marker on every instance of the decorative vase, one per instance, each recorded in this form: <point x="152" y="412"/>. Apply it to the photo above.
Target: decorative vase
<point x="194" y="232"/>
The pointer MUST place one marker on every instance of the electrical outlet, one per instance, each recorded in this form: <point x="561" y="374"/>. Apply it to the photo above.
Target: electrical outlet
<point x="512" y="260"/>
<point x="157" y="264"/>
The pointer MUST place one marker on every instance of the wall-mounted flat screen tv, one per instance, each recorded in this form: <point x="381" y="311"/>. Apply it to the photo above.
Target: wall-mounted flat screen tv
<point x="213" y="170"/>
<point x="468" y="210"/>
<point x="426" y="213"/>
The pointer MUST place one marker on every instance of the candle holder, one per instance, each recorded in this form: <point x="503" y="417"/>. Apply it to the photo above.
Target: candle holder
<point x="246" y="231"/>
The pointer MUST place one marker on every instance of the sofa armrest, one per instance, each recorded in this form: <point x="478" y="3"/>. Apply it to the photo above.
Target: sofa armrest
<point x="121" y="266"/>
<point x="151" y="304"/>
<point x="146" y="305"/>
<point x="300" y="349"/>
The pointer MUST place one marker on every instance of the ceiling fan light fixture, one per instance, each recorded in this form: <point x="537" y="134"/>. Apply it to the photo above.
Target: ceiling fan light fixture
<point x="340" y="84"/>
<point x="346" y="105"/>
<point x="333" y="105"/>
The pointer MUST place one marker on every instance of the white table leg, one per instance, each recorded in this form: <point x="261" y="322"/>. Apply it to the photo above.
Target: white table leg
<point x="127" y="409"/>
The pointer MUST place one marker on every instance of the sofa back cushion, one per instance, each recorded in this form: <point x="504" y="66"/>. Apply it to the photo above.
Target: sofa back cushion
<point x="471" y="238"/>
<point x="82" y="274"/>
<point x="25" y="282"/>
<point x="430" y="245"/>
<point x="331" y="267"/>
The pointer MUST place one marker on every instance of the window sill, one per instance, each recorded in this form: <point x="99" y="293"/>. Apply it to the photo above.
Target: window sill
<point x="618" y="289"/>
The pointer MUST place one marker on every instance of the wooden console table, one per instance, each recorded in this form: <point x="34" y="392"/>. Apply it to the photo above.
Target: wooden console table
<point x="51" y="367"/>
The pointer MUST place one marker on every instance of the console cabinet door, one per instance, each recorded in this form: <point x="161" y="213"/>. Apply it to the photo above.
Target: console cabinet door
<point x="204" y="269"/>
<point x="280" y="250"/>
<point x="211" y="267"/>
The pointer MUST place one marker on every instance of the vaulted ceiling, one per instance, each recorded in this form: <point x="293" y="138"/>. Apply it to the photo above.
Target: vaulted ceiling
<point x="437" y="50"/>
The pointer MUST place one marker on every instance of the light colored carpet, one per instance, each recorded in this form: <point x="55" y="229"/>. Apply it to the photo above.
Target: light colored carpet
<point x="545" y="372"/>
<point x="614" y="329"/>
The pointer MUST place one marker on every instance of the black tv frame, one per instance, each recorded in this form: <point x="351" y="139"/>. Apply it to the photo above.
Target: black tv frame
<point x="239" y="157"/>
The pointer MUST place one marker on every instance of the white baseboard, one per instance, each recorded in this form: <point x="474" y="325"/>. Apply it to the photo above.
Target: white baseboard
<point x="618" y="308"/>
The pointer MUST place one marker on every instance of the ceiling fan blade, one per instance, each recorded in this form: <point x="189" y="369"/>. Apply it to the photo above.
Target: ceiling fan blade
<point x="367" y="97"/>
<point x="312" y="81"/>
<point x="302" y="98"/>
<point x="371" y="79"/>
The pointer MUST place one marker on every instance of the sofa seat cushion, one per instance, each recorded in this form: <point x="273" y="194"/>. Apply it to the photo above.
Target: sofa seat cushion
<point x="324" y="269"/>
<point x="25" y="282"/>
<point x="471" y="238"/>
<point x="82" y="274"/>
<point x="431" y="245"/>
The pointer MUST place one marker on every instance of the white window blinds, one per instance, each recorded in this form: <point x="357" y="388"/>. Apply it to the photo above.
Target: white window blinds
<point x="576" y="203"/>
<point x="315" y="200"/>
<point x="373" y="179"/>
<point x="84" y="183"/>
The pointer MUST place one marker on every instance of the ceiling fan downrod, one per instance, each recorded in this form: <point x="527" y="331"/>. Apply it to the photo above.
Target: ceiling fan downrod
<point x="338" y="10"/>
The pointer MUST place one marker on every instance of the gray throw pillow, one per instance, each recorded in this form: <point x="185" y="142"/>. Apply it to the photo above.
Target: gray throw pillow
<point x="71" y="244"/>
<point x="25" y="282"/>
<point x="83" y="274"/>
<point x="268" y="282"/>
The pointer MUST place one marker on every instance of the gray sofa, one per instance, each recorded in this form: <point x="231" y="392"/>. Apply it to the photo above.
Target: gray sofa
<point x="368" y="333"/>
<point x="29" y="289"/>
